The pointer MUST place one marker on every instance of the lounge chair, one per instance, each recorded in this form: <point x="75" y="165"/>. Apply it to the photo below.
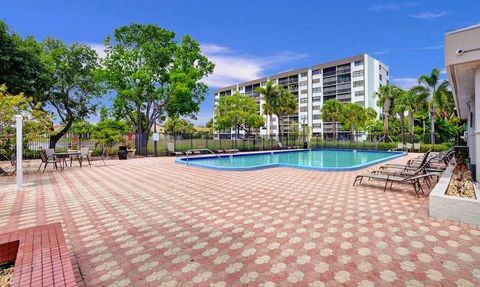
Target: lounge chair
<point x="408" y="146"/>
<point x="391" y="178"/>
<point x="171" y="149"/>
<point x="46" y="160"/>
<point x="409" y="163"/>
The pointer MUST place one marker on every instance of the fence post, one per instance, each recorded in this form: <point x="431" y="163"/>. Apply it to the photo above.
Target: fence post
<point x="191" y="140"/>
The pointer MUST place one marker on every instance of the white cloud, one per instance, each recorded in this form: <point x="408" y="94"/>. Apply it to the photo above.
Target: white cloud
<point x="443" y="71"/>
<point x="393" y="6"/>
<point x="99" y="48"/>
<point x="429" y="15"/>
<point x="405" y="83"/>
<point x="232" y="66"/>
<point x="388" y="51"/>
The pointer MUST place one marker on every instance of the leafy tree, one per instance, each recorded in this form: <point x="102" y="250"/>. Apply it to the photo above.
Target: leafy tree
<point x="438" y="92"/>
<point x="81" y="127"/>
<point x="298" y="131"/>
<point x="21" y="68"/>
<point x="400" y="107"/>
<point x="385" y="97"/>
<point x="209" y="125"/>
<point x="238" y="109"/>
<point x="279" y="102"/>
<point x="353" y="118"/>
<point x="35" y="120"/>
<point x="414" y="101"/>
<point x="73" y="82"/>
<point x="179" y="125"/>
<point x="154" y="76"/>
<point x="109" y="130"/>
<point x="332" y="111"/>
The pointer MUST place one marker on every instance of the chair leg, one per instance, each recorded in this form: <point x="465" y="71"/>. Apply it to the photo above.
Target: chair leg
<point x="39" y="167"/>
<point x="45" y="167"/>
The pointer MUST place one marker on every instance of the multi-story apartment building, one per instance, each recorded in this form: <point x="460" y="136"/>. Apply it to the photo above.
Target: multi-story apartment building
<point x="355" y="79"/>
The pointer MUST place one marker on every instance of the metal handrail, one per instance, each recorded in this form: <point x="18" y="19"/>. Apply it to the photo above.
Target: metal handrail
<point x="202" y="149"/>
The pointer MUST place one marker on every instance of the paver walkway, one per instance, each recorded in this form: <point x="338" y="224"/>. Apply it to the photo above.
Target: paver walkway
<point x="153" y="222"/>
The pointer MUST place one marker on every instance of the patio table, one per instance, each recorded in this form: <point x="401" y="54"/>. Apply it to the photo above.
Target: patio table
<point x="62" y="156"/>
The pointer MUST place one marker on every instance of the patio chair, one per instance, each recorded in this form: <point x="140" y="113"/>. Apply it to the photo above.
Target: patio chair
<point x="410" y="163"/>
<point x="171" y="149"/>
<point x="49" y="152"/>
<point x="85" y="152"/>
<point x="12" y="161"/>
<point x="408" y="146"/>
<point x="46" y="160"/>
<point x="416" y="147"/>
<point x="400" y="146"/>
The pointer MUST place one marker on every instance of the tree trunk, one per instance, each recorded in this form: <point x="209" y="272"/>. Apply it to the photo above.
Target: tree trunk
<point x="55" y="138"/>
<point x="411" y="126"/>
<point x="432" y="130"/>
<point x="385" y="127"/>
<point x="352" y="133"/>
<point x="334" y="131"/>
<point x="402" y="126"/>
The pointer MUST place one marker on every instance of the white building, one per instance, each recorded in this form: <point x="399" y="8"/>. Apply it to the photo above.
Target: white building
<point x="355" y="79"/>
<point x="462" y="61"/>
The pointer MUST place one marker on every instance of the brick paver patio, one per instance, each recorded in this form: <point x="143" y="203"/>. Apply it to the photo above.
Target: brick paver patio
<point x="153" y="222"/>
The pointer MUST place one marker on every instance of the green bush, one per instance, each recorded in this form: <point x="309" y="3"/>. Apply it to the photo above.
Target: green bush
<point x="437" y="147"/>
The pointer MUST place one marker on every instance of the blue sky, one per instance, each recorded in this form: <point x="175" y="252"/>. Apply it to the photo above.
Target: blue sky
<point x="250" y="39"/>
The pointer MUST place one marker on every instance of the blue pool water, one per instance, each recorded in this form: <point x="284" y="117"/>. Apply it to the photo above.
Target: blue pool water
<point x="321" y="159"/>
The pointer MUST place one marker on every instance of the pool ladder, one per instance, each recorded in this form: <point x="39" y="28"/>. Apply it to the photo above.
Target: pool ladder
<point x="190" y="151"/>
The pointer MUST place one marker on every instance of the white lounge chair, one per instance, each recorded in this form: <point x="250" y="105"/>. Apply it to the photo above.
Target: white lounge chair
<point x="171" y="149"/>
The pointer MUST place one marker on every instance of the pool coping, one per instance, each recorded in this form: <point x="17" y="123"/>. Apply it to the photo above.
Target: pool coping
<point x="191" y="161"/>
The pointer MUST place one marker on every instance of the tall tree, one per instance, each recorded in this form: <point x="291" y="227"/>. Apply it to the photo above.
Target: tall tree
<point x="436" y="89"/>
<point x="21" y="68"/>
<point x="400" y="107"/>
<point x="332" y="111"/>
<point x="179" y="125"/>
<point x="153" y="75"/>
<point x="414" y="100"/>
<point x="353" y="118"/>
<point x="385" y="96"/>
<point x="238" y="109"/>
<point x="73" y="82"/>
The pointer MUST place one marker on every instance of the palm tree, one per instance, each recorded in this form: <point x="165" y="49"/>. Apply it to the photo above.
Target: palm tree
<point x="414" y="100"/>
<point x="285" y="104"/>
<point x="400" y="107"/>
<point x="436" y="91"/>
<point x="385" y="96"/>
<point x="270" y="95"/>
<point x="353" y="118"/>
<point x="332" y="112"/>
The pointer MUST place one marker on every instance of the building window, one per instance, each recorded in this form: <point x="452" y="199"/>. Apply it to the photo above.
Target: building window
<point x="316" y="117"/>
<point x="316" y="72"/>
<point x="303" y="109"/>
<point x="380" y="77"/>
<point x="358" y="73"/>
<point x="359" y="93"/>
<point x="304" y="118"/>
<point x="274" y="120"/>
<point x="303" y="92"/>
<point x="358" y="83"/>
<point x="317" y="126"/>
<point x="316" y="108"/>
<point x="304" y="74"/>
<point x="316" y="90"/>
<point x="315" y="81"/>
<point x="362" y="103"/>
<point x="359" y="63"/>
<point x="316" y="99"/>
<point x="303" y="83"/>
<point x="303" y="100"/>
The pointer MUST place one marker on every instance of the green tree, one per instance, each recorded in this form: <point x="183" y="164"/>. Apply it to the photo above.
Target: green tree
<point x="399" y="108"/>
<point x="353" y="118"/>
<point x="385" y="97"/>
<point x="21" y="68"/>
<point x="332" y="111"/>
<point x="109" y="130"/>
<point x="81" y="127"/>
<point x="179" y="125"/>
<point x="279" y="102"/>
<point x="153" y="76"/>
<point x="438" y="93"/>
<point x="414" y="101"/>
<point x="238" y="109"/>
<point x="209" y="125"/>
<point x="73" y="83"/>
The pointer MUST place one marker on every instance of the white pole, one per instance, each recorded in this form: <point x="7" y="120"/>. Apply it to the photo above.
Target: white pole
<point x="18" y="120"/>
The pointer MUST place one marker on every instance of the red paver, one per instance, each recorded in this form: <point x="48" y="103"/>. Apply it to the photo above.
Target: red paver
<point x="148" y="222"/>
<point x="40" y="255"/>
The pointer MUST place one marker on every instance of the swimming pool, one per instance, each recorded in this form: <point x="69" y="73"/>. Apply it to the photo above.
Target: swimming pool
<point x="318" y="159"/>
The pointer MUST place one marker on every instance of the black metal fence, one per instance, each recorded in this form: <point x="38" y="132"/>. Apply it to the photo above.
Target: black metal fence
<point x="145" y="146"/>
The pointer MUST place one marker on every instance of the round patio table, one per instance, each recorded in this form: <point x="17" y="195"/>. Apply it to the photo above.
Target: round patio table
<point x="62" y="156"/>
